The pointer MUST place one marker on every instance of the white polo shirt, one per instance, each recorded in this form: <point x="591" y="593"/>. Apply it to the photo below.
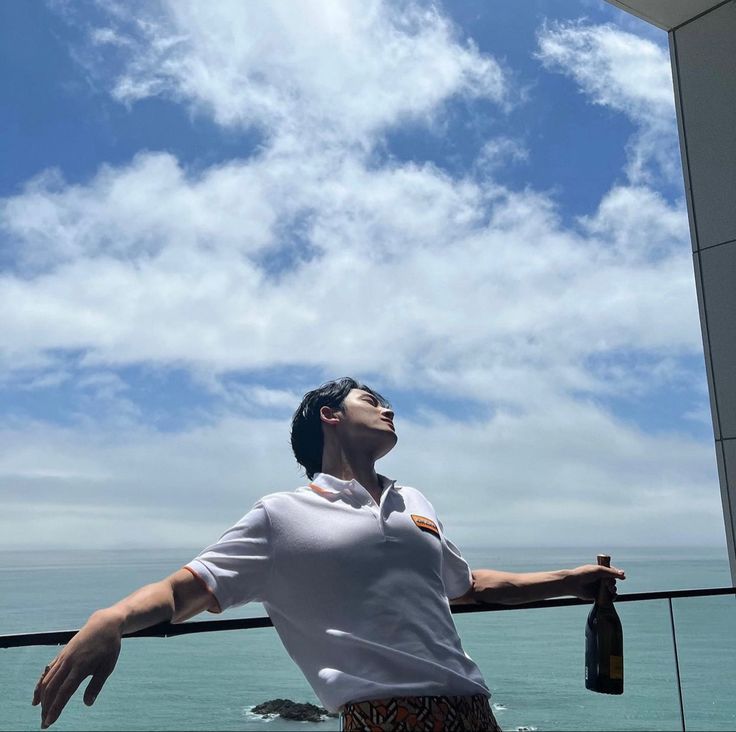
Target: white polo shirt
<point x="357" y="591"/>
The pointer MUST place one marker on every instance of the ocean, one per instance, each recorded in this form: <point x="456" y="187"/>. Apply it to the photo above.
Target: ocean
<point x="531" y="659"/>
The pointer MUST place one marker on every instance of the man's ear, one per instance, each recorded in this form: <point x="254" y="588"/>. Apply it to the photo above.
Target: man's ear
<point x="329" y="415"/>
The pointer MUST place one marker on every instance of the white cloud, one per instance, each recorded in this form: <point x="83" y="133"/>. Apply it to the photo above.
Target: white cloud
<point x="541" y="478"/>
<point x="617" y="69"/>
<point x="502" y="151"/>
<point x="626" y="73"/>
<point x="454" y="277"/>
<point x="343" y="70"/>
<point x="137" y="211"/>
<point x="565" y="474"/>
<point x="638" y="225"/>
<point x="475" y="293"/>
<point x="399" y="270"/>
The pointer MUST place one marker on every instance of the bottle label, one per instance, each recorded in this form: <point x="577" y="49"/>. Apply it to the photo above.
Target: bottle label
<point x="617" y="667"/>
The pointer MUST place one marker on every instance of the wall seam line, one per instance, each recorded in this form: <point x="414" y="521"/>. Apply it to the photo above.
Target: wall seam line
<point x="713" y="246"/>
<point x="700" y="15"/>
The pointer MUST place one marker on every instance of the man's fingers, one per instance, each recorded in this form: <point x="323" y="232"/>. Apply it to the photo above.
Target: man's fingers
<point x="46" y="683"/>
<point x="44" y="677"/>
<point x="94" y="686"/>
<point x="50" y="686"/>
<point x="67" y="688"/>
<point x="37" y="690"/>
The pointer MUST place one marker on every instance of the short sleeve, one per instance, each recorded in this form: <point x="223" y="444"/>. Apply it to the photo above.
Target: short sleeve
<point x="237" y="567"/>
<point x="456" y="574"/>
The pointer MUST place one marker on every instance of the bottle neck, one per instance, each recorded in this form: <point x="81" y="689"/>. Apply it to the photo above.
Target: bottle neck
<point x="604" y="596"/>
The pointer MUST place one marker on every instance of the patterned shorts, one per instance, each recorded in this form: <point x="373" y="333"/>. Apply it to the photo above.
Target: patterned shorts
<point x="420" y="714"/>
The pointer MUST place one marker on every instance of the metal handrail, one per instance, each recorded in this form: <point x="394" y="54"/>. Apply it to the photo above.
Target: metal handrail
<point x="165" y="630"/>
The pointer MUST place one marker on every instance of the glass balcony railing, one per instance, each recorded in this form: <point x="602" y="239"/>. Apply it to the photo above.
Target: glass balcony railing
<point x="679" y="658"/>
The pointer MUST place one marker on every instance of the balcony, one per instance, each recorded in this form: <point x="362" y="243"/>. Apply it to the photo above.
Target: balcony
<point x="680" y="657"/>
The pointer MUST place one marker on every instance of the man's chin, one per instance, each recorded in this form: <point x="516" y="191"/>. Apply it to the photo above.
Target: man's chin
<point x="388" y="446"/>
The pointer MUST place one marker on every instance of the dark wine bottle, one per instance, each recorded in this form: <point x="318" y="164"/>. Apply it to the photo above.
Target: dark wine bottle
<point x="604" y="642"/>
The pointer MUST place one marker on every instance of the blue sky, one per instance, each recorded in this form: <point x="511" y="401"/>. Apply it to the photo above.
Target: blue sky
<point x="475" y="207"/>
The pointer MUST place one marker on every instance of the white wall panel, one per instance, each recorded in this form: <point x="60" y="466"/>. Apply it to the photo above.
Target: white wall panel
<point x="706" y="348"/>
<point x="718" y="269"/>
<point x="726" y="458"/>
<point x="706" y="71"/>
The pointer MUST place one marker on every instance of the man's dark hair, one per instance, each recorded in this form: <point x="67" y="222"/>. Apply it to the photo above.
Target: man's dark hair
<point x="307" y="440"/>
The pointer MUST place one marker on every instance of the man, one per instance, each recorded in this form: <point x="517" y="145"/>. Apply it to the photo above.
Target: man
<point x="355" y="572"/>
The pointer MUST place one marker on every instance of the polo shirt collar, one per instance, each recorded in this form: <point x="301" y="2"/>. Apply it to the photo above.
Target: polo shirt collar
<point x="330" y="486"/>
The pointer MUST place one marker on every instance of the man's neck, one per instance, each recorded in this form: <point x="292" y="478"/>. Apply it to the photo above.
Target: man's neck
<point x="365" y="475"/>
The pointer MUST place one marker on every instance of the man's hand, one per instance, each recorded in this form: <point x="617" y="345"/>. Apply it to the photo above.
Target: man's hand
<point x="583" y="582"/>
<point x="95" y="649"/>
<point x="92" y="652"/>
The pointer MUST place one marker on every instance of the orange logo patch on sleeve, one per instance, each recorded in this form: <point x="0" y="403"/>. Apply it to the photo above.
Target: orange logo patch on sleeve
<point x="426" y="524"/>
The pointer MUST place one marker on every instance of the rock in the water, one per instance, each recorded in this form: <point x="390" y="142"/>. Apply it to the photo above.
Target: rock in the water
<point x="292" y="710"/>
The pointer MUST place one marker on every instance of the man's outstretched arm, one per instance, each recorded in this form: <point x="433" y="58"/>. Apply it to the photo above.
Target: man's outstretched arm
<point x="94" y="650"/>
<point x="515" y="588"/>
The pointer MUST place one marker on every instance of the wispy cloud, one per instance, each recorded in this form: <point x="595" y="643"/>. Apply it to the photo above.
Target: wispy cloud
<point x="628" y="74"/>
<point x="565" y="473"/>
<point x="456" y="279"/>
<point x="344" y="70"/>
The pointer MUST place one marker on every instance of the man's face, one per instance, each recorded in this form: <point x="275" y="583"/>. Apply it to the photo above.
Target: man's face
<point x="366" y="425"/>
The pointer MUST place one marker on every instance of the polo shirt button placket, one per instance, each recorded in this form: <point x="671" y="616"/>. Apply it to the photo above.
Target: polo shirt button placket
<point x="375" y="514"/>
